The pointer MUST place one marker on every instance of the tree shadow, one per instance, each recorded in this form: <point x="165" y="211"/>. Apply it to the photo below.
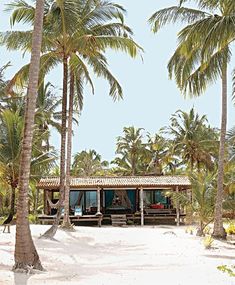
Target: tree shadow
<point x="21" y="278"/>
<point x="219" y="256"/>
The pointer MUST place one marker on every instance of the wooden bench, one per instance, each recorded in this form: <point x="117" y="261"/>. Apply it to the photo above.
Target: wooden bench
<point x="88" y="218"/>
<point x="164" y="212"/>
<point x="84" y="218"/>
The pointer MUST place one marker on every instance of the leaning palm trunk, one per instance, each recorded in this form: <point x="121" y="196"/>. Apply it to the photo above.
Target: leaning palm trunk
<point x="219" y="231"/>
<point x="26" y="256"/>
<point x="52" y="230"/>
<point x="66" y="220"/>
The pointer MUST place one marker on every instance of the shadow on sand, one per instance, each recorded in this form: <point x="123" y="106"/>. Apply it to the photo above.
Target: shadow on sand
<point x="21" y="278"/>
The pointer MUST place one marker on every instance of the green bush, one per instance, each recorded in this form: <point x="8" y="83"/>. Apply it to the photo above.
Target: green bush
<point x="189" y="230"/>
<point x="207" y="230"/>
<point x="129" y="222"/>
<point x="33" y="219"/>
<point x="230" y="229"/>
<point x="227" y="269"/>
<point x="2" y="219"/>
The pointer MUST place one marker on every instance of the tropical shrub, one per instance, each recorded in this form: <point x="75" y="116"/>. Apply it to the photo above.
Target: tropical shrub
<point x="33" y="219"/>
<point x="231" y="229"/>
<point x="208" y="242"/>
<point x="227" y="269"/>
<point x="201" y="203"/>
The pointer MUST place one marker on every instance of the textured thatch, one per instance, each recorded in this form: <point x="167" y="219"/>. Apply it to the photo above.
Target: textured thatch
<point x="118" y="182"/>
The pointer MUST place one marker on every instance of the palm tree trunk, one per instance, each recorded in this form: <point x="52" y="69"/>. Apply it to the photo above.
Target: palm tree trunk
<point x="200" y="229"/>
<point x="66" y="220"/>
<point x="219" y="231"/>
<point x="36" y="202"/>
<point x="26" y="255"/>
<point x="12" y="206"/>
<point x="52" y="230"/>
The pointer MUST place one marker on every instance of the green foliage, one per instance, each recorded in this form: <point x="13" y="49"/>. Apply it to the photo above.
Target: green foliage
<point x="33" y="219"/>
<point x="208" y="242"/>
<point x="11" y="129"/>
<point x="231" y="229"/>
<point x="189" y="230"/>
<point x="160" y="155"/>
<point x="3" y="217"/>
<point x="129" y="222"/>
<point x="131" y="151"/>
<point x="194" y="141"/>
<point x="88" y="163"/>
<point x="203" y="48"/>
<point x="78" y="30"/>
<point x="207" y="230"/>
<point x="203" y="198"/>
<point x="230" y="270"/>
<point x="139" y="155"/>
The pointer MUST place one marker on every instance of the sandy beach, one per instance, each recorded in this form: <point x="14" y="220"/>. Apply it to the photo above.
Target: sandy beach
<point x="113" y="255"/>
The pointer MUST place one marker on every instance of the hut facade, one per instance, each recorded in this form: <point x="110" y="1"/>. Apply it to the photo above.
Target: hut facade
<point x="136" y="197"/>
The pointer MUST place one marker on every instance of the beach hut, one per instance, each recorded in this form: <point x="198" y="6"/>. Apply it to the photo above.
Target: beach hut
<point x="135" y="198"/>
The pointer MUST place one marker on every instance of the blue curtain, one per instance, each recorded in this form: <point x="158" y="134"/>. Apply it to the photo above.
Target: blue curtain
<point x="132" y="198"/>
<point x="160" y="198"/>
<point x="73" y="198"/>
<point x="91" y="199"/>
<point x="109" y="194"/>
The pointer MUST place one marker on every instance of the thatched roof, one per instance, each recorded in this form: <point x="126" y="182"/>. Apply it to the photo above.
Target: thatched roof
<point x="118" y="182"/>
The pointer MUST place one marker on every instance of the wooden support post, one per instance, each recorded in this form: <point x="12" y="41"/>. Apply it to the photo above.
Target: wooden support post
<point x="99" y="214"/>
<point x="46" y="206"/>
<point x="177" y="209"/>
<point x="141" y="206"/>
<point x="136" y="200"/>
<point x="98" y="201"/>
<point x="44" y="201"/>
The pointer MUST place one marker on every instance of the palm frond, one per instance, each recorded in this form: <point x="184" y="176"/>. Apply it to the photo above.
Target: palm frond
<point x="175" y="14"/>
<point x="21" y="12"/>
<point x="100" y="69"/>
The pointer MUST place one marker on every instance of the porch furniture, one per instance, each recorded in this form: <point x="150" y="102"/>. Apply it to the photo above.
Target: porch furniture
<point x="118" y="220"/>
<point x="90" y="218"/>
<point x="77" y="211"/>
<point x="164" y="212"/>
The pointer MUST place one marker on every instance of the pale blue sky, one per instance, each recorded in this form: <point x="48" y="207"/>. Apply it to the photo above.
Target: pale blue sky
<point x="149" y="96"/>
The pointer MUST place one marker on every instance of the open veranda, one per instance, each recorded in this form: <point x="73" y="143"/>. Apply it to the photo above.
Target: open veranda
<point x="129" y="255"/>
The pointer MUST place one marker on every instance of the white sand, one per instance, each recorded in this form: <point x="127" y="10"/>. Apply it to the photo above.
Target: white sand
<point x="123" y="256"/>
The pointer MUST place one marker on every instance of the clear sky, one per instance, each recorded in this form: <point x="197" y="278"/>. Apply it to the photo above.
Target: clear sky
<point x="149" y="96"/>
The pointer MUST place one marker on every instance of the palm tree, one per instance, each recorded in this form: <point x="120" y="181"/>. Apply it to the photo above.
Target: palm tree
<point x="13" y="101"/>
<point x="87" y="163"/>
<point x="193" y="140"/>
<point x="47" y="114"/>
<point x="11" y="129"/>
<point x="201" y="57"/>
<point x="3" y="82"/>
<point x="159" y="155"/>
<point x="74" y="30"/>
<point x="26" y="255"/>
<point x="130" y="150"/>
